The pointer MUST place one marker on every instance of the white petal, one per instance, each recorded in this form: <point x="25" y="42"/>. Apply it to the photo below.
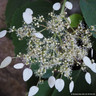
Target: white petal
<point x="71" y="86"/>
<point x="59" y="84"/>
<point x="68" y="5"/>
<point x="33" y="90"/>
<point x="88" y="78"/>
<point x="29" y="11"/>
<point x="6" y="62"/>
<point x="93" y="67"/>
<point x="27" y="73"/>
<point x="87" y="61"/>
<point x="19" y="66"/>
<point x="39" y="35"/>
<point x="69" y="20"/>
<point x="3" y="33"/>
<point x="51" y="81"/>
<point x="57" y="6"/>
<point x="27" y="18"/>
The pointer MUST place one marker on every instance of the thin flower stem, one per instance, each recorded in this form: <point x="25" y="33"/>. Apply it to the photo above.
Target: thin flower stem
<point x="15" y="57"/>
<point x="69" y="23"/>
<point x="43" y="25"/>
<point x="43" y="29"/>
<point x="63" y="6"/>
<point x="39" y="81"/>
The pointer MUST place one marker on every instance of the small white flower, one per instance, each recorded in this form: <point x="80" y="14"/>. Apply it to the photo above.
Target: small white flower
<point x="69" y="20"/>
<point x="57" y="6"/>
<point x="3" y="33"/>
<point x="88" y="78"/>
<point x="71" y="86"/>
<point x="59" y="84"/>
<point x="27" y="73"/>
<point x="6" y="62"/>
<point x="29" y="11"/>
<point x="18" y="66"/>
<point x="51" y="81"/>
<point x="87" y="61"/>
<point x="27" y="18"/>
<point x="33" y="90"/>
<point x="68" y="5"/>
<point x="39" y="35"/>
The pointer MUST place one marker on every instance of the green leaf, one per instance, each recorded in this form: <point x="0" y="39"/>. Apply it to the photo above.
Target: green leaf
<point x="12" y="6"/>
<point x="75" y="19"/>
<point x="35" y="66"/>
<point x="80" y="85"/>
<point x="47" y="74"/>
<point x="65" y="91"/>
<point x="88" y="8"/>
<point x="20" y="45"/>
<point x="44" y="89"/>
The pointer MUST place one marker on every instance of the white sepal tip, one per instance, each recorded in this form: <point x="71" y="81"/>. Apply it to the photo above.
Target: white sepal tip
<point x="33" y="90"/>
<point x="27" y="73"/>
<point x="59" y="84"/>
<point x="6" y="62"/>
<point x="93" y="67"/>
<point x="27" y="18"/>
<point x="29" y="11"/>
<point x="87" y="61"/>
<point x="18" y="66"/>
<point x="88" y="78"/>
<point x="3" y="33"/>
<point x="71" y="86"/>
<point x="51" y="81"/>
<point x="57" y="6"/>
<point x="39" y="35"/>
<point x="68" y="5"/>
<point x="69" y="20"/>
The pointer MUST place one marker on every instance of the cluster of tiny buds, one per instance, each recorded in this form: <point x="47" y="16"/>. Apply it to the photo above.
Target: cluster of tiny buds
<point x="61" y="50"/>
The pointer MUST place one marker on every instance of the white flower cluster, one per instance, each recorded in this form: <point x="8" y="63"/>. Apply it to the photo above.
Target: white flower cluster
<point x="64" y="48"/>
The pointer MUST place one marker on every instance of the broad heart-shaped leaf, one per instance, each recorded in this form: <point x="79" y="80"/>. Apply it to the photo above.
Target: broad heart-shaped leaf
<point x="80" y="85"/>
<point x="75" y="19"/>
<point x="39" y="7"/>
<point x="12" y="5"/>
<point x="45" y="90"/>
<point x="88" y="8"/>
